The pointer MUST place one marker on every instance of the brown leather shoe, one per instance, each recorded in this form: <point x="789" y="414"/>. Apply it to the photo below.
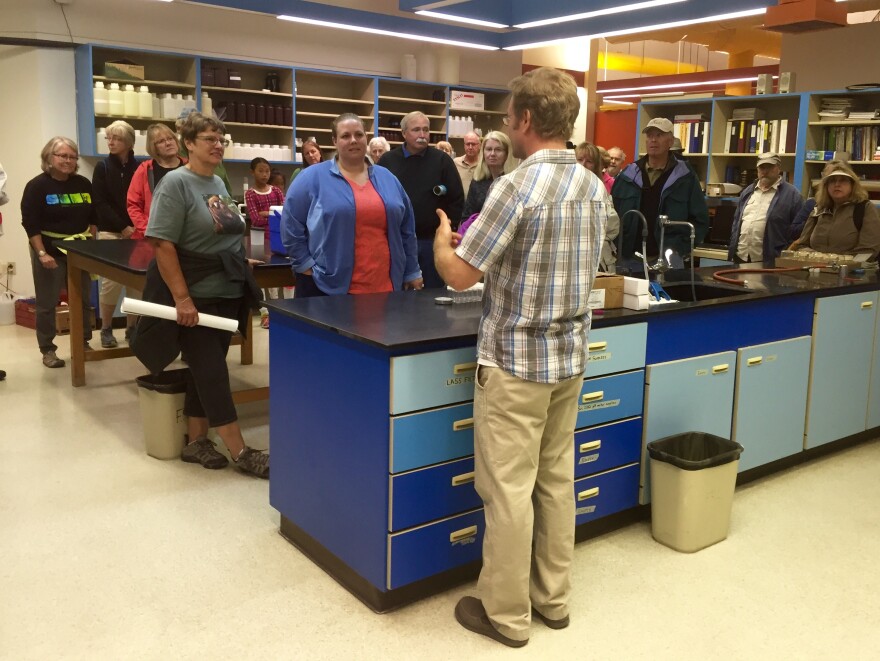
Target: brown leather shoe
<point x="561" y="623"/>
<point x="471" y="615"/>
<point x="50" y="359"/>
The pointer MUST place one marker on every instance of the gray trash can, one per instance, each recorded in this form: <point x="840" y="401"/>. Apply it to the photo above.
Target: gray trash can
<point x="161" y="399"/>
<point x="693" y="477"/>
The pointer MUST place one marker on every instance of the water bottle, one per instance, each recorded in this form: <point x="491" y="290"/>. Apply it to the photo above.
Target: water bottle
<point x="102" y="99"/>
<point x="130" y="103"/>
<point x="207" y="105"/>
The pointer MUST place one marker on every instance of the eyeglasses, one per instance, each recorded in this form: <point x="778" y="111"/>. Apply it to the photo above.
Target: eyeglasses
<point x="210" y="139"/>
<point x="66" y="157"/>
<point x="164" y="141"/>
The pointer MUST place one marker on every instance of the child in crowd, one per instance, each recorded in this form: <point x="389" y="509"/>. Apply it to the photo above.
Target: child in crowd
<point x="258" y="200"/>
<point x="277" y="179"/>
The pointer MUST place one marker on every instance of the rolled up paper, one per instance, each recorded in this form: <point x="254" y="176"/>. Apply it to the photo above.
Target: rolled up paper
<point x="147" y="309"/>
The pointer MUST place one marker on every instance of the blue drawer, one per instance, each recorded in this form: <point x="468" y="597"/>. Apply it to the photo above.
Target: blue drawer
<point x="606" y="493"/>
<point x="432" y="493"/>
<point x="422" y="439"/>
<point x="434" y="548"/>
<point x="432" y="379"/>
<point x="610" y="398"/>
<point x="607" y="446"/>
<point x="616" y="349"/>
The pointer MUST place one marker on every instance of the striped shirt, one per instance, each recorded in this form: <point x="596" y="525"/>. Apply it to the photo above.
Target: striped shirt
<point x="538" y="240"/>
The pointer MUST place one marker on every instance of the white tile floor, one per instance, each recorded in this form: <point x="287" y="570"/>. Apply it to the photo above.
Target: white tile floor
<point x="106" y="553"/>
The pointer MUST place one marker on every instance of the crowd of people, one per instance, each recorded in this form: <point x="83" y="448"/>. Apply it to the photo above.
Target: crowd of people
<point x="368" y="219"/>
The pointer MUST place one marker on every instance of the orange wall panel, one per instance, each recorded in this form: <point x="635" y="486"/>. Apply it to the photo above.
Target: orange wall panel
<point x="617" y="128"/>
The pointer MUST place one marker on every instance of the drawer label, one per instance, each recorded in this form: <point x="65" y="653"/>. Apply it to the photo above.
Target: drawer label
<point x="459" y="381"/>
<point x="589" y="459"/>
<point x="596" y="357"/>
<point x="702" y="372"/>
<point x="585" y="510"/>
<point x="772" y="358"/>
<point x="465" y="541"/>
<point x="598" y="405"/>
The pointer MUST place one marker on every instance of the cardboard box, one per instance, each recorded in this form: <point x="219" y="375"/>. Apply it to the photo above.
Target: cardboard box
<point x="461" y="100"/>
<point x="125" y="69"/>
<point x="613" y="287"/>
<point x="62" y="319"/>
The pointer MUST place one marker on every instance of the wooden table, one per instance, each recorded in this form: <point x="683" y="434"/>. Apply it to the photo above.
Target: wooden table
<point x="125" y="261"/>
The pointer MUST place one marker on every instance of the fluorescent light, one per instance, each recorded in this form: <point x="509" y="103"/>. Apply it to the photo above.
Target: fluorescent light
<point x="676" y="85"/>
<point x="599" y="12"/>
<point x="387" y="33"/>
<point x="643" y="28"/>
<point x="460" y="19"/>
<point x="622" y="103"/>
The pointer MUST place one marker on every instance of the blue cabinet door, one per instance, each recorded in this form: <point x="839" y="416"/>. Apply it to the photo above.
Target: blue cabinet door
<point x="610" y="398"/>
<point x="695" y="394"/>
<point x="771" y="400"/>
<point x="840" y="372"/>
<point x="874" y="393"/>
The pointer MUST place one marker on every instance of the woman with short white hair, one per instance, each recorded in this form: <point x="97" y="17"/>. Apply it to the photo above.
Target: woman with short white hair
<point x="377" y="147"/>
<point x="110" y="183"/>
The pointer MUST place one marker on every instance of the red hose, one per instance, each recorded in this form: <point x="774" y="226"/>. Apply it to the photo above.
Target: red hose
<point x="719" y="275"/>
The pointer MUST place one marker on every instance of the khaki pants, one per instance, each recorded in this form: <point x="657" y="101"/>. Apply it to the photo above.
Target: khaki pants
<point x="524" y="472"/>
<point x="110" y="290"/>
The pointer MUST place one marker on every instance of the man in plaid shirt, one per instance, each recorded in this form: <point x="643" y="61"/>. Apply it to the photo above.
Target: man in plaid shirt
<point x="537" y="243"/>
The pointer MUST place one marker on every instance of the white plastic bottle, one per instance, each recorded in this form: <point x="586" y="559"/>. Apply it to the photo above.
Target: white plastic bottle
<point x="286" y="154"/>
<point x="245" y="185"/>
<point x="102" y="99"/>
<point x="140" y="143"/>
<point x="168" y="107"/>
<point x="231" y="151"/>
<point x="468" y="126"/>
<point x="157" y="107"/>
<point x="207" y="105"/>
<point x="189" y="102"/>
<point x="101" y="141"/>
<point x="145" y="102"/>
<point x="130" y="101"/>
<point x="117" y="105"/>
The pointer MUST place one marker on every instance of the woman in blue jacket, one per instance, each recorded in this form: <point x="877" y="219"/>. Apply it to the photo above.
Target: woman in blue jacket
<point x="348" y="226"/>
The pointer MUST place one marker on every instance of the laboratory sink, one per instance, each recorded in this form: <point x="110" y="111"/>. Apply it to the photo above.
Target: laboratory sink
<point x="705" y="291"/>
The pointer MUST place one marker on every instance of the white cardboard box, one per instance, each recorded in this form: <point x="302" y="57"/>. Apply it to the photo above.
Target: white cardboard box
<point x="633" y="302"/>
<point x="635" y="286"/>
<point x="462" y="100"/>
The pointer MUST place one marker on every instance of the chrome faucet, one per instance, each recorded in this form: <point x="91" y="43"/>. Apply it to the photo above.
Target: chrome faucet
<point x="644" y="238"/>
<point x="665" y="260"/>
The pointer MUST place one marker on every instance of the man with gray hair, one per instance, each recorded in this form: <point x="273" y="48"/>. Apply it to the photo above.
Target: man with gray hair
<point x="431" y="181"/>
<point x="467" y="162"/>
<point x="618" y="160"/>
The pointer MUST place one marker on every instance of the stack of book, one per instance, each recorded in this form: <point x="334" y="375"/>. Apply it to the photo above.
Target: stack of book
<point x="863" y="115"/>
<point x="860" y="141"/>
<point x="758" y="136"/>
<point x="693" y="131"/>
<point x="747" y="114"/>
<point x="835" y="107"/>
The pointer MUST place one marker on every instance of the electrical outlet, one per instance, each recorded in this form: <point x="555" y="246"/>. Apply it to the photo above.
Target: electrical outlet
<point x="7" y="267"/>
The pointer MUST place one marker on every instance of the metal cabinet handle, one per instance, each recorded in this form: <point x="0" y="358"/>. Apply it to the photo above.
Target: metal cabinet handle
<point x="593" y="396"/>
<point x="867" y="305"/>
<point x="719" y="369"/>
<point x="464" y="533"/>
<point x="590" y="446"/>
<point x="464" y="367"/>
<point x="589" y="493"/>
<point x="464" y="478"/>
<point x="757" y="360"/>
<point x="459" y="425"/>
<point x="597" y="346"/>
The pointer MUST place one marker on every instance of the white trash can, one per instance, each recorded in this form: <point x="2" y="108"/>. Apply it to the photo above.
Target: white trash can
<point x="161" y="400"/>
<point x="693" y="477"/>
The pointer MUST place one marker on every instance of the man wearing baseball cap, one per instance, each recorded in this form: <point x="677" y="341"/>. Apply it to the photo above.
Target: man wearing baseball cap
<point x="764" y="222"/>
<point x="660" y="184"/>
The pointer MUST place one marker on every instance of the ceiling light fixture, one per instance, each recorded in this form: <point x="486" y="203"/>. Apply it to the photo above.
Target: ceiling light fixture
<point x="676" y="85"/>
<point x="460" y="19"/>
<point x="387" y="33"/>
<point x="662" y="26"/>
<point x="621" y="103"/>
<point x="599" y="12"/>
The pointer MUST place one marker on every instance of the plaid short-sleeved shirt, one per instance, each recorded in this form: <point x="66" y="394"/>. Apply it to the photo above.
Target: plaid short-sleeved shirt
<point x="538" y="240"/>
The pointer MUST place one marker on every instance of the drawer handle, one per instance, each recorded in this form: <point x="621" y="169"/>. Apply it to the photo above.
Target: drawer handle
<point x="867" y="305"/>
<point x="593" y="396"/>
<point x="589" y="493"/>
<point x="464" y="478"/>
<point x="464" y="533"/>
<point x="757" y="360"/>
<point x="592" y="445"/>
<point x="720" y="369"/>
<point x="464" y="367"/>
<point x="597" y="346"/>
<point x="459" y="425"/>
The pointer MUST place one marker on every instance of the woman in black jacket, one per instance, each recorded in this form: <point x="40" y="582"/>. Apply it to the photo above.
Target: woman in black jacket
<point x="110" y="183"/>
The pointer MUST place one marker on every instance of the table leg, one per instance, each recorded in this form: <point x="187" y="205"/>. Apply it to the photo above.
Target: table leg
<point x="77" y="338"/>
<point x="247" y="342"/>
